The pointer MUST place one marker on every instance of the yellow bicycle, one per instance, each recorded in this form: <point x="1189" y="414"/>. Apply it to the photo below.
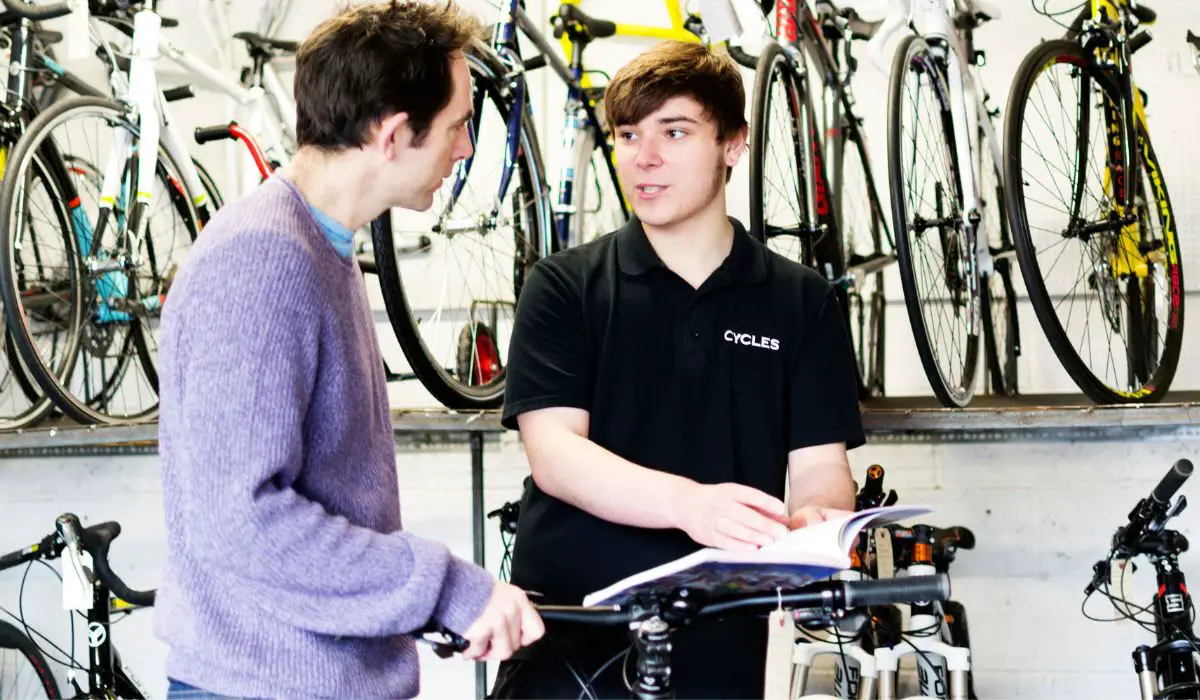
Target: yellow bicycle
<point x="1094" y="230"/>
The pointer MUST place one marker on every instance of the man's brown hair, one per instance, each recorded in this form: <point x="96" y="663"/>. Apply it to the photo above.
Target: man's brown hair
<point x="371" y="61"/>
<point x="678" y="69"/>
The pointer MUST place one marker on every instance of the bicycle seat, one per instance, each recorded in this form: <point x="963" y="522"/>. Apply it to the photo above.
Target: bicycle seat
<point x="859" y="27"/>
<point x="1145" y="15"/>
<point x="1193" y="40"/>
<point x="577" y="25"/>
<point x="48" y="37"/>
<point x="258" y="42"/>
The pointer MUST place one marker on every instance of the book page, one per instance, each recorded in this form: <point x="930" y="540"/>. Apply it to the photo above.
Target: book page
<point x="798" y="558"/>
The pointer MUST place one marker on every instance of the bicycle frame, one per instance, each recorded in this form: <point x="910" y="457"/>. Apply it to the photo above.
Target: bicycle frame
<point x="932" y="20"/>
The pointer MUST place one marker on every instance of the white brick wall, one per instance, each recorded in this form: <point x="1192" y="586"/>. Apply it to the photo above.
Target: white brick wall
<point x="1042" y="513"/>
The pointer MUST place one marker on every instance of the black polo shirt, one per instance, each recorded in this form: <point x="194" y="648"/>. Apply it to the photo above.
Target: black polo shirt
<point x="716" y="384"/>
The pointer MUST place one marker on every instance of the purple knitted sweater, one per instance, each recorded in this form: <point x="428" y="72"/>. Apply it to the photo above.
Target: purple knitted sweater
<point x="287" y="572"/>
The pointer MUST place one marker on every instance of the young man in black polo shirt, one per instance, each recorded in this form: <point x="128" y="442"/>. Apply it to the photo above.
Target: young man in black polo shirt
<point x="669" y="381"/>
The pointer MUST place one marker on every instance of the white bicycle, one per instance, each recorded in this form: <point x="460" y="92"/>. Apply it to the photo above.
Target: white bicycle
<point x="952" y="236"/>
<point x="133" y="202"/>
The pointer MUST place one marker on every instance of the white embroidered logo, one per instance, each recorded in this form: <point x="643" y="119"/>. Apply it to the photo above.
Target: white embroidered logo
<point x="752" y="340"/>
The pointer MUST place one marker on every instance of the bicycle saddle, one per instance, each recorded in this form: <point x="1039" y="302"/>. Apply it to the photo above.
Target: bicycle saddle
<point x="1193" y="40"/>
<point x="258" y="42"/>
<point x="579" y="26"/>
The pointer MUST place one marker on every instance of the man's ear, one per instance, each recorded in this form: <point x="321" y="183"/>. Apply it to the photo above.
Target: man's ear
<point x="735" y="146"/>
<point x="393" y="135"/>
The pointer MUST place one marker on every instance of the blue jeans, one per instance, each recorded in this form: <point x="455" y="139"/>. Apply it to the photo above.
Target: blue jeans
<point x="183" y="691"/>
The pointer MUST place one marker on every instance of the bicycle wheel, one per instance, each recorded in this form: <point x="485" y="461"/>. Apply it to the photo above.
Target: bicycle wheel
<point x="935" y="252"/>
<point x="1106" y="283"/>
<point x="460" y="266"/>
<point x="595" y="197"/>
<point x="209" y="185"/>
<point x="861" y="226"/>
<point x="998" y="309"/>
<point x="110" y="308"/>
<point x="24" y="673"/>
<point x="783" y="212"/>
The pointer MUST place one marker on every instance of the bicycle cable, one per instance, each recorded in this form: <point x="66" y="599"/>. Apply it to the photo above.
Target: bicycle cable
<point x="1053" y="15"/>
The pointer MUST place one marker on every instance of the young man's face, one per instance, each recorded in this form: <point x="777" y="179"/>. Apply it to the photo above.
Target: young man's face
<point x="425" y="168"/>
<point x="671" y="163"/>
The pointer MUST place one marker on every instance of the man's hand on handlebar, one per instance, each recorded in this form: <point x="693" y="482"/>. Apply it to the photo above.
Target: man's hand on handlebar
<point x="509" y="622"/>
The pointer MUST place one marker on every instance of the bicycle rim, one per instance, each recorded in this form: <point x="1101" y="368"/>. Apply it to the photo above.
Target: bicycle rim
<point x="861" y="229"/>
<point x="458" y="267"/>
<point x="595" y="198"/>
<point x="941" y="288"/>
<point x="781" y="200"/>
<point x="24" y="673"/>
<point x="1107" y="290"/>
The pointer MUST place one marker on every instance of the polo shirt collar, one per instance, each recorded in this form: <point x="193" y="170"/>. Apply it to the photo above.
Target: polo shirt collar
<point x="746" y="261"/>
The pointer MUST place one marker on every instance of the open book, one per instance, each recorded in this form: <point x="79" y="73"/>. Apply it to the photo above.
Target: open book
<point x="797" y="559"/>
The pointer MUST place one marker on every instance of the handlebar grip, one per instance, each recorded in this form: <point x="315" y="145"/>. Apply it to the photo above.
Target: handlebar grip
<point x="96" y="540"/>
<point x="1170" y="483"/>
<point x="740" y="56"/>
<point x="204" y="134"/>
<point x="37" y="13"/>
<point x="910" y="589"/>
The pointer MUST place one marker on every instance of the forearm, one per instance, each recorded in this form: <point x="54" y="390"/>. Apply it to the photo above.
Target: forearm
<point x="824" y="484"/>
<point x="576" y="470"/>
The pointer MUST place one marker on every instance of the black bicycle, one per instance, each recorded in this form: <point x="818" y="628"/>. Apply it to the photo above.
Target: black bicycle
<point x="1167" y="669"/>
<point x="653" y="617"/>
<point x="24" y="671"/>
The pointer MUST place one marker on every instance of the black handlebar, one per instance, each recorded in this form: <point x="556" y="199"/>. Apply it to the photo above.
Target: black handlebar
<point x="676" y="608"/>
<point x="1165" y="491"/>
<point x="36" y="13"/>
<point x="94" y="540"/>
<point x="204" y="134"/>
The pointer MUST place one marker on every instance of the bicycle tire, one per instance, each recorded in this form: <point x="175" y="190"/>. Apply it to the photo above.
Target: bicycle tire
<point x="954" y="384"/>
<point x="1153" y="386"/>
<point x="998" y="296"/>
<point x="588" y="222"/>
<point x="43" y="685"/>
<point x="209" y="185"/>
<point x="866" y="307"/>
<point x="775" y="72"/>
<point x="530" y="205"/>
<point x="58" y="383"/>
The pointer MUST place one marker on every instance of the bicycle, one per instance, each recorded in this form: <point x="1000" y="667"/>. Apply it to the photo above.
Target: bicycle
<point x="96" y="591"/>
<point x="1168" y="669"/>
<point x="1099" y="250"/>
<point x="653" y="618"/>
<point x="953" y="243"/>
<point x="102" y="297"/>
<point x="829" y="215"/>
<point x="494" y="217"/>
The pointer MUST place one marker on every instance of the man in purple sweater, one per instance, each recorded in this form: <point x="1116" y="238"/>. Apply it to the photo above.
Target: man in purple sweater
<point x="288" y="573"/>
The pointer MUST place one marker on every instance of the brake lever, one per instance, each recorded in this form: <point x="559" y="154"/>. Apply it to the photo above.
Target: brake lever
<point x="450" y="644"/>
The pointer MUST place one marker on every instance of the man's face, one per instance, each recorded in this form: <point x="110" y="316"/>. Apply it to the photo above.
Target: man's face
<point x="423" y="169"/>
<point x="671" y="163"/>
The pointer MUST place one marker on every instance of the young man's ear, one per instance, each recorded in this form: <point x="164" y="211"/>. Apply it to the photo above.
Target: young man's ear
<point x="735" y="146"/>
<point x="393" y="135"/>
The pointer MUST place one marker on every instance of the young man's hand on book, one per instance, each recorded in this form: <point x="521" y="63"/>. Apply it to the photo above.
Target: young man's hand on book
<point x="811" y="515"/>
<point x="732" y="516"/>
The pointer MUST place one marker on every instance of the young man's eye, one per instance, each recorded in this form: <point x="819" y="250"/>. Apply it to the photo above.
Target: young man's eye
<point x="676" y="133"/>
<point x="626" y="136"/>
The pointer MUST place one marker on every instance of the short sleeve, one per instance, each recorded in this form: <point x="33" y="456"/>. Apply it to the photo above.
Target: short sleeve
<point x="823" y="392"/>
<point x="549" y="363"/>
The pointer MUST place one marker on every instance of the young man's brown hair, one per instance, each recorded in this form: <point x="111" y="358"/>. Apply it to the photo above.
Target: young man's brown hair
<point x="375" y="60"/>
<point x="675" y="69"/>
